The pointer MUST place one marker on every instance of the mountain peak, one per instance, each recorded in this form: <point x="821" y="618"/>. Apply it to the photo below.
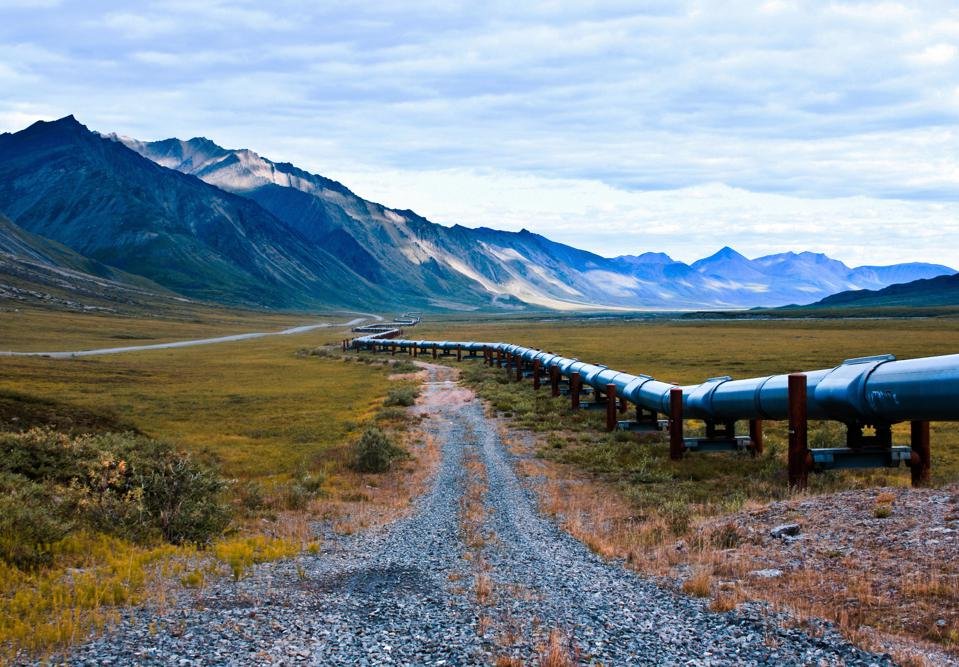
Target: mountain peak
<point x="724" y="253"/>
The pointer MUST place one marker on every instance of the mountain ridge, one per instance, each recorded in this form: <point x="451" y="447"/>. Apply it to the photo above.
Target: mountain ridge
<point x="230" y="225"/>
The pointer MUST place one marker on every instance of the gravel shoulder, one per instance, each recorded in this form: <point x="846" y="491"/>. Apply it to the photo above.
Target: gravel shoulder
<point x="401" y="593"/>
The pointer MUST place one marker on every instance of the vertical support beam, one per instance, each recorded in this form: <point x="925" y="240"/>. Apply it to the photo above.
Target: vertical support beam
<point x="575" y="384"/>
<point x="519" y="367"/>
<point x="798" y="432"/>
<point x="536" y="367"/>
<point x="416" y="350"/>
<point x="611" y="407"/>
<point x="393" y="350"/>
<point x="554" y="381"/>
<point x="921" y="455"/>
<point x="499" y="358"/>
<point x="622" y="405"/>
<point x="676" y="445"/>
<point x="459" y="354"/>
<point x="434" y="350"/>
<point x="756" y="436"/>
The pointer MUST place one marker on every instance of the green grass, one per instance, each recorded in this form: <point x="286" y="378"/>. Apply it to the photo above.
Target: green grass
<point x="686" y="352"/>
<point x="278" y="421"/>
<point x="256" y="405"/>
<point x="41" y="330"/>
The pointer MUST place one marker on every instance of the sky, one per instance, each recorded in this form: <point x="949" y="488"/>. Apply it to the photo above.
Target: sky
<point x="618" y="127"/>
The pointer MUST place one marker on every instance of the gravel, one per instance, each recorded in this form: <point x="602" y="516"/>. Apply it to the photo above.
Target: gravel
<point x="401" y="594"/>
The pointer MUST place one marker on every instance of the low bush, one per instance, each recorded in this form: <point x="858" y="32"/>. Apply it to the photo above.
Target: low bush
<point x="403" y="395"/>
<point x="121" y="484"/>
<point x="375" y="452"/>
<point x="403" y="367"/>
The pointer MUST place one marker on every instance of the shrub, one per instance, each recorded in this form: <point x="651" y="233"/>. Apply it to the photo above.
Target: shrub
<point x="404" y="367"/>
<point x="124" y="484"/>
<point x="162" y="489"/>
<point x="374" y="452"/>
<point x="32" y="517"/>
<point x="404" y="395"/>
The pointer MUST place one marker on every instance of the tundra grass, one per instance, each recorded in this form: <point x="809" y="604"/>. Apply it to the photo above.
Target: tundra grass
<point x="39" y="330"/>
<point x="272" y="418"/>
<point x="255" y="405"/>
<point x="691" y="351"/>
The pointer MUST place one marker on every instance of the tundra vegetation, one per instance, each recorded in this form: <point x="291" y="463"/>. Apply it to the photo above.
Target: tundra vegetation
<point x="691" y="520"/>
<point x="121" y="474"/>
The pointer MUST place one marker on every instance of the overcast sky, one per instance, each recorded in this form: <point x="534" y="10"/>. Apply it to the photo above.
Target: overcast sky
<point x="679" y="127"/>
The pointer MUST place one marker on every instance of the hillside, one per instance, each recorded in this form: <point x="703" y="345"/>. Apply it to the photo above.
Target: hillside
<point x="106" y="202"/>
<point x="460" y="266"/>
<point x="231" y="227"/>
<point x="931" y="292"/>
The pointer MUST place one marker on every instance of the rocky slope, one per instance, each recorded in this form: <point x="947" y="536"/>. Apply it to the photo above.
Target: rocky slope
<point x="468" y="266"/>
<point x="104" y="201"/>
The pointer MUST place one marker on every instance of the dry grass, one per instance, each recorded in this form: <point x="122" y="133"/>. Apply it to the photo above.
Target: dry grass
<point x="41" y="330"/>
<point x="483" y="588"/>
<point x="699" y="584"/>
<point x="274" y="419"/>
<point x="558" y="651"/>
<point x="855" y="593"/>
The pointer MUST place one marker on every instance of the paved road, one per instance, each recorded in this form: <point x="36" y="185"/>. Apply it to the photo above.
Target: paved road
<point x="410" y="593"/>
<point x="188" y="343"/>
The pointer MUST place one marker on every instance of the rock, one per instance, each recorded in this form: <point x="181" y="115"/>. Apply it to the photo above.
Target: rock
<point x="785" y="530"/>
<point x="768" y="573"/>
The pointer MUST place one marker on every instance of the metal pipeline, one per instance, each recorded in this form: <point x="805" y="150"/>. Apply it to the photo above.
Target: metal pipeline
<point x="869" y="390"/>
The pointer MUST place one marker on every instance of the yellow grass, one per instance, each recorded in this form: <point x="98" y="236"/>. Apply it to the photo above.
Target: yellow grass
<point x="258" y="407"/>
<point x="39" y="330"/>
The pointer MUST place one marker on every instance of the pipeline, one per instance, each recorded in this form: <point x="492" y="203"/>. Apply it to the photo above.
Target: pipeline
<point x="876" y="390"/>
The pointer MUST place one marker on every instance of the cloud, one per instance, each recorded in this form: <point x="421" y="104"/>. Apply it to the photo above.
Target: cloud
<point x="840" y="101"/>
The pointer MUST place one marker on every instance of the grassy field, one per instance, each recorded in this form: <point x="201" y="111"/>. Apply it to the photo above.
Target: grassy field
<point x="39" y="330"/>
<point x="691" y="351"/>
<point x="622" y="495"/>
<point x="254" y="404"/>
<point x="270" y="416"/>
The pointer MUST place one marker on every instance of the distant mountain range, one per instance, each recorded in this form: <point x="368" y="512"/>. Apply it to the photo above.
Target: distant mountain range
<point x="230" y="226"/>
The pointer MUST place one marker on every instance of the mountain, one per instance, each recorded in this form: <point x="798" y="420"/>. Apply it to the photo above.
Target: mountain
<point x="35" y="270"/>
<point x="463" y="266"/>
<point x="927" y="292"/>
<point x="231" y="226"/>
<point x="108" y="203"/>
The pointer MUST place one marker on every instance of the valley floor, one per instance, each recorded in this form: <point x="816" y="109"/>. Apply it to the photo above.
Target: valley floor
<point x="474" y="575"/>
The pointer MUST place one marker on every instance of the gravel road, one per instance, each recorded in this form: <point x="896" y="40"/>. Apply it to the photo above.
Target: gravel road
<point x="404" y="594"/>
<point x="188" y="343"/>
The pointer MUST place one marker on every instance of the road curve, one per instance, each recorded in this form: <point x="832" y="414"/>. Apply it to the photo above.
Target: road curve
<point x="188" y="343"/>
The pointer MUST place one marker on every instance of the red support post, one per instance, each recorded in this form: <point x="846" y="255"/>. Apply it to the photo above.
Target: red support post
<point x="575" y="384"/>
<point x="554" y="380"/>
<point x="536" y="366"/>
<point x="756" y="436"/>
<point x="798" y="432"/>
<point x="393" y="350"/>
<point x="676" y="444"/>
<point x="611" y="407"/>
<point x="921" y="460"/>
<point x="519" y="367"/>
<point x="434" y="350"/>
<point x="459" y="354"/>
<point x="416" y="350"/>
